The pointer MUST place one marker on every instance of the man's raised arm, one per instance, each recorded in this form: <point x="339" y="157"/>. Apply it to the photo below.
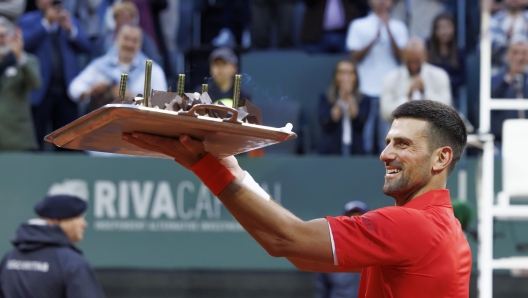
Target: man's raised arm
<point x="276" y="229"/>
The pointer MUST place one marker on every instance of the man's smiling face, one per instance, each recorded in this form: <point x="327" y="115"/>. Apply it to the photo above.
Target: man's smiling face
<point x="407" y="159"/>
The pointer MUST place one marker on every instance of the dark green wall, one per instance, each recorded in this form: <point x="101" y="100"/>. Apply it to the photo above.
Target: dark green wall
<point x="170" y="236"/>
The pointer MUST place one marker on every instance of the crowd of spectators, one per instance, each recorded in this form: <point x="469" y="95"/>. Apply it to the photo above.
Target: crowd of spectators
<point x="394" y="50"/>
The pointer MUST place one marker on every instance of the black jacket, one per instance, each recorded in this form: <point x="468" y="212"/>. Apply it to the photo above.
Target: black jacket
<point x="44" y="264"/>
<point x="332" y="132"/>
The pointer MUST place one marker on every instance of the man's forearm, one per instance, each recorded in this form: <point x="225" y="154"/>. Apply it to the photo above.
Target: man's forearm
<point x="359" y="55"/>
<point x="280" y="232"/>
<point x="396" y="51"/>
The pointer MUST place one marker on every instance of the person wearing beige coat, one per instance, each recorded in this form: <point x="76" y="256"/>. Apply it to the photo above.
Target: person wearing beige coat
<point x="414" y="80"/>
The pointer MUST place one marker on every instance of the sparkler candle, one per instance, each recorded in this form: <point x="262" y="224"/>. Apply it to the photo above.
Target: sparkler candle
<point x="148" y="76"/>
<point x="122" y="86"/>
<point x="181" y="84"/>
<point x="236" y="95"/>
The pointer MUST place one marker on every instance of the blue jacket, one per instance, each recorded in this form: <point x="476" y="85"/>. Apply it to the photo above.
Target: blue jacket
<point x="44" y="264"/>
<point x="37" y="41"/>
<point x="337" y="285"/>
<point x="330" y="141"/>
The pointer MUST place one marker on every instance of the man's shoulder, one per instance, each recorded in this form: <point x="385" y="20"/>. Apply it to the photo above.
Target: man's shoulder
<point x="435" y="70"/>
<point x="363" y="22"/>
<point x="396" y="22"/>
<point x="397" y="213"/>
<point x="393" y="74"/>
<point x="30" y="16"/>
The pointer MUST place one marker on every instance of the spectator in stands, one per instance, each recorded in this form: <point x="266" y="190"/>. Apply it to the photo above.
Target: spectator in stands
<point x="444" y="52"/>
<point x="99" y="81"/>
<point x="125" y="13"/>
<point x="418" y="15"/>
<point x="339" y="113"/>
<point x="325" y="24"/>
<point x="12" y="9"/>
<point x="375" y="42"/>
<point x="264" y="13"/>
<point x="87" y="12"/>
<point x="20" y="75"/>
<point x="511" y="82"/>
<point x="506" y="24"/>
<point x="223" y="67"/>
<point x="342" y="284"/>
<point x="56" y="39"/>
<point x="415" y="80"/>
<point x="45" y="262"/>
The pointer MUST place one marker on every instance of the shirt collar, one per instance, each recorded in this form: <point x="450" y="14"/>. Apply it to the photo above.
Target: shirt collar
<point x="113" y="56"/>
<point x="431" y="198"/>
<point x="423" y="69"/>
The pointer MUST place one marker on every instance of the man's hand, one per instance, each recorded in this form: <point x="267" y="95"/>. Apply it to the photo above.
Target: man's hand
<point x="52" y="14"/>
<point x="98" y="88"/>
<point x="184" y="150"/>
<point x="114" y="91"/>
<point x="17" y="44"/>
<point x="418" y="83"/>
<point x="65" y="20"/>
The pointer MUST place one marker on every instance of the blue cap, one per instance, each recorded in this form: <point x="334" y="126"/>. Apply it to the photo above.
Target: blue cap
<point x="60" y="207"/>
<point x="357" y="206"/>
<point x="224" y="53"/>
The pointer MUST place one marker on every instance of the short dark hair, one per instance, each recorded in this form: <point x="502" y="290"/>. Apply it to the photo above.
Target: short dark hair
<point x="445" y="127"/>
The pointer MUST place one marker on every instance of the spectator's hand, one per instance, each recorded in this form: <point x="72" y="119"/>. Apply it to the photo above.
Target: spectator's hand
<point x="99" y="88"/>
<point x="17" y="44"/>
<point x="345" y="87"/>
<point x="65" y="20"/>
<point x="510" y="32"/>
<point x="114" y="91"/>
<point x="418" y="83"/>
<point x="385" y="18"/>
<point x="378" y="34"/>
<point x="336" y="112"/>
<point x="52" y="14"/>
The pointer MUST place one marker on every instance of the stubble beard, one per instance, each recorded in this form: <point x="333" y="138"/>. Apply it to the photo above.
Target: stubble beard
<point x="402" y="188"/>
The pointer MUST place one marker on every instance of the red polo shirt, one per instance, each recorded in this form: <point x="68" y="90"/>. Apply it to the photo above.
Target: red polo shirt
<point x="416" y="250"/>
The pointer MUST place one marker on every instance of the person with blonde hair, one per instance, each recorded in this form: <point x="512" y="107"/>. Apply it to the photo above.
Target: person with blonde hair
<point x="339" y="112"/>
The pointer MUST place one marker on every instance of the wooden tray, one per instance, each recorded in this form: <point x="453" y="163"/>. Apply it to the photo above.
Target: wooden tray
<point x="101" y="130"/>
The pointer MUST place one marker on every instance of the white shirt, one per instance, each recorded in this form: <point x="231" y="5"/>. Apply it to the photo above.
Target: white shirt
<point x="108" y="69"/>
<point x="380" y="59"/>
<point x="397" y="83"/>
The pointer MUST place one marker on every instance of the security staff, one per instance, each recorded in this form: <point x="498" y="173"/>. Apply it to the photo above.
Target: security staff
<point x="45" y="263"/>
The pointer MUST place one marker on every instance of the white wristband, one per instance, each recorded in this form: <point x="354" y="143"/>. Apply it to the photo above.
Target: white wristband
<point x="254" y="186"/>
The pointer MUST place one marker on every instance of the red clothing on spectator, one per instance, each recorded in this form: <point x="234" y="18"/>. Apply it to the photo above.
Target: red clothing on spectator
<point x="415" y="250"/>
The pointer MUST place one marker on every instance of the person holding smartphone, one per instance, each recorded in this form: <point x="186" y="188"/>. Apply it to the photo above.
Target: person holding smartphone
<point x="55" y="37"/>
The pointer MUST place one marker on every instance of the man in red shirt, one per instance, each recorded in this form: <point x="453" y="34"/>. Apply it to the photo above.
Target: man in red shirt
<point x="413" y="249"/>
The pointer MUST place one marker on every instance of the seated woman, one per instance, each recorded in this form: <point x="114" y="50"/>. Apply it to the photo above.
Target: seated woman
<point x="342" y="113"/>
<point x="443" y="52"/>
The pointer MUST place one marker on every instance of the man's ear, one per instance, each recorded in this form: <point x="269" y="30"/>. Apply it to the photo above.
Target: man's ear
<point x="442" y="158"/>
